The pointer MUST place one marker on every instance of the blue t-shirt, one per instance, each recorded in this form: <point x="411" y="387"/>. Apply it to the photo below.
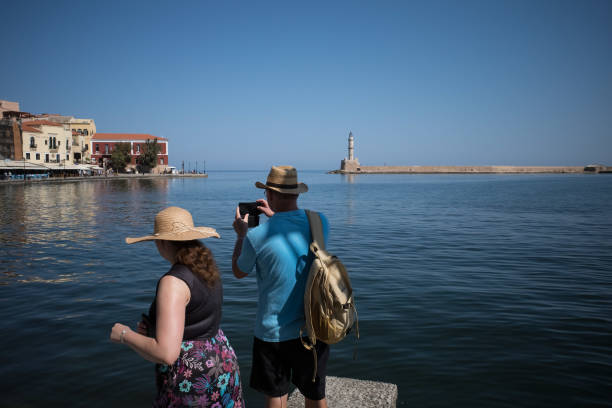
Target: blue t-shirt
<point x="279" y="250"/>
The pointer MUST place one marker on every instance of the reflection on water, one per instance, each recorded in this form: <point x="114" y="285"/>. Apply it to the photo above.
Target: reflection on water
<point x="349" y="179"/>
<point x="46" y="225"/>
<point x="472" y="290"/>
<point x="59" y="279"/>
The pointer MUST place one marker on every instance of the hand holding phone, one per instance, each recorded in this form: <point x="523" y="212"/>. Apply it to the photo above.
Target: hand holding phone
<point x="252" y="210"/>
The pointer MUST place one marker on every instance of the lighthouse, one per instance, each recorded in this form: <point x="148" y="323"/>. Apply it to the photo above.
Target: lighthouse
<point x="350" y="164"/>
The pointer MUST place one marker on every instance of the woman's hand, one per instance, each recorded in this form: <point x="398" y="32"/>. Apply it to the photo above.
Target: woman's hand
<point x="142" y="328"/>
<point x="119" y="332"/>
<point x="264" y="207"/>
<point x="173" y="295"/>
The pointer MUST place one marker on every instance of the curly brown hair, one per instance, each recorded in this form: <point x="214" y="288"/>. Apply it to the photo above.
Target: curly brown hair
<point x="197" y="257"/>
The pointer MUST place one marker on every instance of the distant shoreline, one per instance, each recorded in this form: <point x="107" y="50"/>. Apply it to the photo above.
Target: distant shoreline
<point x="474" y="170"/>
<point x="98" y="178"/>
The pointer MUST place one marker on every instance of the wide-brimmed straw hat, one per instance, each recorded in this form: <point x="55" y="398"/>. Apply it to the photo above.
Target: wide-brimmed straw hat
<point x="175" y="224"/>
<point x="284" y="180"/>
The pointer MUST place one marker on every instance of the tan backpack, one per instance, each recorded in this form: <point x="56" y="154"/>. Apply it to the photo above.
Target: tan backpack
<point x="329" y="306"/>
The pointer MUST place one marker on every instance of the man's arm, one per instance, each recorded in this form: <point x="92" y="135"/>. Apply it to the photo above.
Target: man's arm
<point x="241" y="226"/>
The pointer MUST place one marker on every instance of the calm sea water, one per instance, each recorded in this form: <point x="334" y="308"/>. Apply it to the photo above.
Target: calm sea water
<point x="472" y="290"/>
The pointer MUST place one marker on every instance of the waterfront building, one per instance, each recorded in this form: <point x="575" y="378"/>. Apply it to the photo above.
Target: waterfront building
<point x="10" y="140"/>
<point x="82" y="130"/>
<point x="103" y="144"/>
<point x="8" y="106"/>
<point x="10" y="135"/>
<point x="46" y="142"/>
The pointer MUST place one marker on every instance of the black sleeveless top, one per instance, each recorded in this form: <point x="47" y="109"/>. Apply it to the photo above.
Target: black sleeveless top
<point x="203" y="312"/>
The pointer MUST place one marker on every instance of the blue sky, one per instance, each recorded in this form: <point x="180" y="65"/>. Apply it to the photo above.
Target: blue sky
<point x="244" y="85"/>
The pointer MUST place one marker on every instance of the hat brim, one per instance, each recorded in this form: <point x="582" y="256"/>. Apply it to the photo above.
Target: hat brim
<point x="301" y="188"/>
<point x="194" y="233"/>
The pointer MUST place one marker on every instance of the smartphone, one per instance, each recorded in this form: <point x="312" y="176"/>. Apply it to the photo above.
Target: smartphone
<point x="251" y="209"/>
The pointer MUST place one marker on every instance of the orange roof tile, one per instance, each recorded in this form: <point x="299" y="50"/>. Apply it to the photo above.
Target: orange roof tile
<point x="125" y="136"/>
<point x="26" y="128"/>
<point x="41" y="122"/>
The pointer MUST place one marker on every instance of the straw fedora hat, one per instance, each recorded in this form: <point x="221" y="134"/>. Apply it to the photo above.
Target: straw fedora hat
<point x="284" y="180"/>
<point x="175" y="224"/>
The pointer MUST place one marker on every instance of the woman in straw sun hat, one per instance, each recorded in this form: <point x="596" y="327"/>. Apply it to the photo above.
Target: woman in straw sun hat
<point x="196" y="365"/>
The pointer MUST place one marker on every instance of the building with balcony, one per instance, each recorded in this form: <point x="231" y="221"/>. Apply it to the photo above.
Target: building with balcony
<point x="103" y="144"/>
<point x="46" y="142"/>
<point x="82" y="131"/>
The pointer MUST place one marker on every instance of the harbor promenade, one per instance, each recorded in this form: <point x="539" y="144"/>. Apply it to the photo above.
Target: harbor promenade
<point x="98" y="178"/>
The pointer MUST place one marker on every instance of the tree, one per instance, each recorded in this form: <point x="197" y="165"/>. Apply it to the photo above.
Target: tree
<point x="120" y="157"/>
<point x="148" y="157"/>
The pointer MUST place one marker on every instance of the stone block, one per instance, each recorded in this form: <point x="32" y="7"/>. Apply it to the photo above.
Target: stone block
<point x="349" y="393"/>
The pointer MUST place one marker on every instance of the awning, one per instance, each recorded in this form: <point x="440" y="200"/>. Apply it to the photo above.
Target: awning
<point x="8" y="164"/>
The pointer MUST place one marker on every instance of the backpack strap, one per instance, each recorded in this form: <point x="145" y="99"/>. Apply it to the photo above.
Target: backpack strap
<point x="318" y="241"/>
<point x="316" y="228"/>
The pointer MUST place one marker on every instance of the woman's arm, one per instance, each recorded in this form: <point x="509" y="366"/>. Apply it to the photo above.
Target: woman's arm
<point x="172" y="297"/>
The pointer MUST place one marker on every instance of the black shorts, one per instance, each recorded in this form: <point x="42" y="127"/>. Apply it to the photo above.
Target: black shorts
<point x="275" y="364"/>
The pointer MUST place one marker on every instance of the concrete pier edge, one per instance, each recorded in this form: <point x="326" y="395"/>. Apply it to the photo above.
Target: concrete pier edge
<point x="590" y="169"/>
<point x="349" y="393"/>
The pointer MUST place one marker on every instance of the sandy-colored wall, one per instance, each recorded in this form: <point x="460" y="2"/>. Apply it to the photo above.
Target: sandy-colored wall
<point x="41" y="141"/>
<point x="8" y="106"/>
<point x="469" y="169"/>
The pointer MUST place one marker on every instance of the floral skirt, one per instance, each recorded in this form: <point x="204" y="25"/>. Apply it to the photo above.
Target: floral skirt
<point x="206" y="374"/>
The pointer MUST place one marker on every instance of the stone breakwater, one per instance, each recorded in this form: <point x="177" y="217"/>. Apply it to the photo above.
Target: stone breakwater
<point x="461" y="170"/>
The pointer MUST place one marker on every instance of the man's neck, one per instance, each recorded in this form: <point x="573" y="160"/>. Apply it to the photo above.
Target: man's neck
<point x="286" y="208"/>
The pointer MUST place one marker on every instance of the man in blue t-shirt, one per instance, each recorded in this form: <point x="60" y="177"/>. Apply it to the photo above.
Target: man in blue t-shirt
<point x="279" y="251"/>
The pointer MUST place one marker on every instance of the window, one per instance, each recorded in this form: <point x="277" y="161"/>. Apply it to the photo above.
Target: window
<point x="67" y="157"/>
<point x="46" y="157"/>
<point x="138" y="148"/>
<point x="28" y="156"/>
<point x="97" y="148"/>
<point x="37" y="156"/>
<point x="106" y="149"/>
<point x="57" y="159"/>
<point x="85" y="132"/>
<point x="45" y="142"/>
<point x="32" y="141"/>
